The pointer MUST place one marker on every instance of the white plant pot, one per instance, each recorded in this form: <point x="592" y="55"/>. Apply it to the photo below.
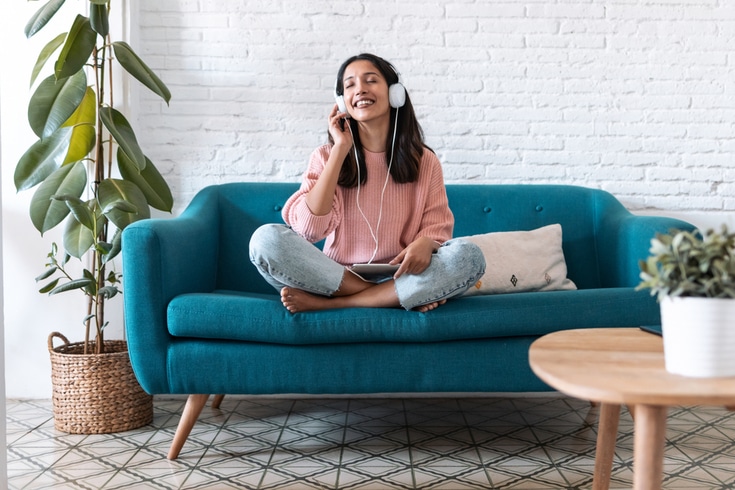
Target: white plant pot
<point x="699" y="336"/>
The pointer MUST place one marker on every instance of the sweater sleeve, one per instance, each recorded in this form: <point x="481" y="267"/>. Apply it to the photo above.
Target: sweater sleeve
<point x="437" y="221"/>
<point x="296" y="212"/>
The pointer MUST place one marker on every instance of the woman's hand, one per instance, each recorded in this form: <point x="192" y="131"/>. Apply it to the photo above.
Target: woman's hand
<point x="339" y="128"/>
<point x="415" y="258"/>
<point x="321" y="197"/>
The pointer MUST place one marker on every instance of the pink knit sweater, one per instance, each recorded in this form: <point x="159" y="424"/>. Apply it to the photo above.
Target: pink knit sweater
<point x="409" y="211"/>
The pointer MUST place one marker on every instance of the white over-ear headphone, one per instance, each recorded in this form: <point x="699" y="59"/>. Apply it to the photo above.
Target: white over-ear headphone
<point x="396" y="94"/>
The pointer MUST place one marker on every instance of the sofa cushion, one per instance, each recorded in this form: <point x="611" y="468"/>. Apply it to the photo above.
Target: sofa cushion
<point x="518" y="261"/>
<point x="262" y="318"/>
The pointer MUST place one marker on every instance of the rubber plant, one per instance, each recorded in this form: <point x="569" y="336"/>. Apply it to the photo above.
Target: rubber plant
<point x="90" y="173"/>
<point x="690" y="264"/>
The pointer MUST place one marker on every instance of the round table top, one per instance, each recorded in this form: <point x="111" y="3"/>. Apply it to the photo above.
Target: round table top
<point x="620" y="365"/>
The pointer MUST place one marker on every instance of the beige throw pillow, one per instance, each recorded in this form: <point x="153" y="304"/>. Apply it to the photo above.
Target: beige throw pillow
<point x="521" y="261"/>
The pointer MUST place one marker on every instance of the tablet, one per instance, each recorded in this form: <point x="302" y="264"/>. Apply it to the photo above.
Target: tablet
<point x="384" y="269"/>
<point x="654" y="330"/>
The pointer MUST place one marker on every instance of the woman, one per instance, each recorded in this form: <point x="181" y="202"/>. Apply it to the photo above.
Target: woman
<point x="376" y="193"/>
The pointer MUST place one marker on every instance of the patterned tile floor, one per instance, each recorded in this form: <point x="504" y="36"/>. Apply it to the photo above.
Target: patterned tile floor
<point x="537" y="442"/>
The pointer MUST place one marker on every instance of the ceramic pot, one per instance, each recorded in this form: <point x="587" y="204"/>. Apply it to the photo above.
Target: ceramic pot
<point x="699" y="336"/>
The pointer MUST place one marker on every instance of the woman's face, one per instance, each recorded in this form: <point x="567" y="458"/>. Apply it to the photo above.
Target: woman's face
<point x="365" y="91"/>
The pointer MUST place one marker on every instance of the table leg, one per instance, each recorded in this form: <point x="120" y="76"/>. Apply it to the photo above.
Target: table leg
<point x="607" y="434"/>
<point x="648" y="447"/>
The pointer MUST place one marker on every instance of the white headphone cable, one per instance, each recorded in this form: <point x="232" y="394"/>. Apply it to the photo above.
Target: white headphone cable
<point x="375" y="233"/>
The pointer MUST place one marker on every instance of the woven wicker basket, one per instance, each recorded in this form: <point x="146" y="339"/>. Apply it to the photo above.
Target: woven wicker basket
<point x="96" y="393"/>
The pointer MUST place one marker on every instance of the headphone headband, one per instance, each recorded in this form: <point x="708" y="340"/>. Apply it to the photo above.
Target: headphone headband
<point x="396" y="92"/>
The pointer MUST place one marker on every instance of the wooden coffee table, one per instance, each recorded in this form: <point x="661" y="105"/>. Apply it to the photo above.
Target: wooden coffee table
<point x="616" y="366"/>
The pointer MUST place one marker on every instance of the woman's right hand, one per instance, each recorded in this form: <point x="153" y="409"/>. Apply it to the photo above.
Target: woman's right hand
<point x="321" y="196"/>
<point x="339" y="128"/>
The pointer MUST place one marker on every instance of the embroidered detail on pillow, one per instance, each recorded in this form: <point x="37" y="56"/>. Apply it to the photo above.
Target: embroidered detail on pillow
<point x="518" y="261"/>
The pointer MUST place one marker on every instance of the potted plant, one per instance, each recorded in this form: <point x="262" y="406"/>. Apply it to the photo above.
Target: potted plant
<point x="693" y="277"/>
<point x="91" y="175"/>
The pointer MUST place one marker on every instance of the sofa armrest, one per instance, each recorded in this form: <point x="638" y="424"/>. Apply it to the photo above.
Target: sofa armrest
<point x="623" y="240"/>
<point x="163" y="258"/>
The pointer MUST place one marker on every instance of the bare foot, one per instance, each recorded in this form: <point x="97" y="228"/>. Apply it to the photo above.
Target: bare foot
<point x="296" y="300"/>
<point x="430" y="306"/>
<point x="378" y="296"/>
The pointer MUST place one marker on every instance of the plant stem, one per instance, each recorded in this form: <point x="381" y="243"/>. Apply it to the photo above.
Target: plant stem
<point x="87" y="324"/>
<point x="112" y="101"/>
<point x="99" y="175"/>
<point x="100" y="304"/>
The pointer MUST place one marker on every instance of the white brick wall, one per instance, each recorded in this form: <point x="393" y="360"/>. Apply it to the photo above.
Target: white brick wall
<point x="633" y="96"/>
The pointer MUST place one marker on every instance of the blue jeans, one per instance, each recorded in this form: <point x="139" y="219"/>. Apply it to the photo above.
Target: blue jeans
<point x="284" y="258"/>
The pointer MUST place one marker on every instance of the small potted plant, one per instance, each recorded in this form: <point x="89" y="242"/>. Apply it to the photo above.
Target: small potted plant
<point x="693" y="276"/>
<point x="91" y="176"/>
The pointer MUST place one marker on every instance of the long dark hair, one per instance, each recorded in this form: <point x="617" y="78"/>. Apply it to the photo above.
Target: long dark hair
<point x="409" y="145"/>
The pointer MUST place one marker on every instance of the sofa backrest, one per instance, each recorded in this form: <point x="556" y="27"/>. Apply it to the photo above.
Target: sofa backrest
<point x="582" y="213"/>
<point x="477" y="209"/>
<point x="243" y="207"/>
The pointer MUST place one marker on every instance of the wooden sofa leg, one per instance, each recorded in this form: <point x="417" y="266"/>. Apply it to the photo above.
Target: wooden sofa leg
<point x="217" y="400"/>
<point x="194" y="406"/>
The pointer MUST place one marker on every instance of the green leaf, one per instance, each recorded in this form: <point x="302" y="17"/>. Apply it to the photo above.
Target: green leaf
<point x="49" y="287"/>
<point x="114" y="251"/>
<point x="123" y="206"/>
<point x="149" y="180"/>
<point x="72" y="285"/>
<point x="45" y="54"/>
<point x="81" y="211"/>
<point x="42" y="16"/>
<point x="104" y="248"/>
<point x="47" y="273"/>
<point x="77" y="238"/>
<point x="112" y="190"/>
<point x="77" y="49"/>
<point x="139" y="70"/>
<point x="108" y="291"/>
<point x="42" y="159"/>
<point x="91" y="287"/>
<point x="113" y="277"/>
<point x="98" y="18"/>
<point x="83" y="133"/>
<point x="54" y="102"/>
<point x="123" y="133"/>
<point x="46" y="213"/>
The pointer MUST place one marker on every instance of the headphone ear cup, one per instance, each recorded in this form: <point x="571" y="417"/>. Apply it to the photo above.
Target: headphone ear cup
<point x="340" y="100"/>
<point x="397" y="95"/>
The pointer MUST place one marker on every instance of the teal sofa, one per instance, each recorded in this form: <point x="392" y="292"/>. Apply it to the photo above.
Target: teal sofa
<point x="200" y="320"/>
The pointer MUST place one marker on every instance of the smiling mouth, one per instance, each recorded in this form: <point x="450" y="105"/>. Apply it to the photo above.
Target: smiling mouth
<point x="363" y="103"/>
